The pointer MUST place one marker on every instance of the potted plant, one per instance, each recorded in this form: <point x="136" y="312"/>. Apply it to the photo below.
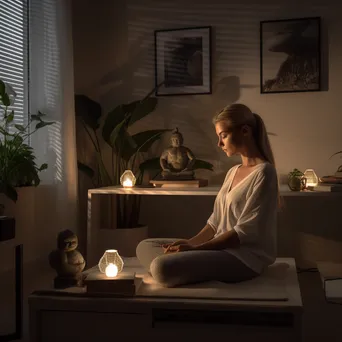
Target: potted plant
<point x="296" y="180"/>
<point x="338" y="173"/>
<point x="18" y="167"/>
<point x="128" y="151"/>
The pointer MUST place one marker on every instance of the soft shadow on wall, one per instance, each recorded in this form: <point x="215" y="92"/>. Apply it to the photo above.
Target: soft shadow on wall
<point x="192" y="114"/>
<point x="134" y="77"/>
<point x="184" y="112"/>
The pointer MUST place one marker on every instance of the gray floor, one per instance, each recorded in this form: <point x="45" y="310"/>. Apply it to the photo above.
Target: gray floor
<point x="320" y="320"/>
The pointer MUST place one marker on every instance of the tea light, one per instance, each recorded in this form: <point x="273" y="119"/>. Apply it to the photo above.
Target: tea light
<point x="111" y="271"/>
<point x="127" y="179"/>
<point x="311" y="178"/>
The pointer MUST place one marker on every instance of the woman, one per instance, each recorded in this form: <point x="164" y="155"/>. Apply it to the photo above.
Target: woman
<point x="239" y="239"/>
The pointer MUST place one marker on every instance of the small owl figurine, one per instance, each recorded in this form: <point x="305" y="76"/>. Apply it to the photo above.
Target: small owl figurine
<point x="67" y="261"/>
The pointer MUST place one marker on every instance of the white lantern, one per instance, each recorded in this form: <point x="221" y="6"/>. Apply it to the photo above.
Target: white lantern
<point x="127" y="179"/>
<point x="111" y="263"/>
<point x="311" y="178"/>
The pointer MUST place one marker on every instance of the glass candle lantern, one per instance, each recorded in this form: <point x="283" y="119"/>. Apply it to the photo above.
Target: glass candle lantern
<point x="127" y="179"/>
<point x="311" y="178"/>
<point x="111" y="263"/>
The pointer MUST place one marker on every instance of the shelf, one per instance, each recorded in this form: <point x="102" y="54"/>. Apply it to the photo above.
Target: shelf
<point x="203" y="191"/>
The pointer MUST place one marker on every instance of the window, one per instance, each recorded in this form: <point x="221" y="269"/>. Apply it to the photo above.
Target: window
<point x="13" y="53"/>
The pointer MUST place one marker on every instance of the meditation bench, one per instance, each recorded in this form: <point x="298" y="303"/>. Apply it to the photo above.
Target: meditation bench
<point x="268" y="307"/>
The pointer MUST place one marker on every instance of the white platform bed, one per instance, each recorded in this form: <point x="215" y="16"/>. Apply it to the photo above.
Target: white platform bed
<point x="263" y="309"/>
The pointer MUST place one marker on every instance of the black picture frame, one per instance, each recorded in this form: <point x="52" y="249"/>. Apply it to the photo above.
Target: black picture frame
<point x="183" y="61"/>
<point x="290" y="55"/>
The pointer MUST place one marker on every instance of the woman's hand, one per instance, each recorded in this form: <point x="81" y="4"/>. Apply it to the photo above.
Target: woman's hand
<point x="180" y="248"/>
<point x="167" y="246"/>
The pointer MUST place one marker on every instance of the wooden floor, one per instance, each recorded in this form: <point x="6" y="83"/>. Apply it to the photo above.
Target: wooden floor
<point x="321" y="321"/>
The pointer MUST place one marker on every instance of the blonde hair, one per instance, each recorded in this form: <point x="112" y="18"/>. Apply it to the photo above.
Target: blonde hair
<point x="237" y="115"/>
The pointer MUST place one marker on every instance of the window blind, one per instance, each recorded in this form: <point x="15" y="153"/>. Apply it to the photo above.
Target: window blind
<point x="14" y="52"/>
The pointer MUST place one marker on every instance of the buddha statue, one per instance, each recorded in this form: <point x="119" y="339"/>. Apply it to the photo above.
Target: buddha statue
<point x="67" y="261"/>
<point x="177" y="161"/>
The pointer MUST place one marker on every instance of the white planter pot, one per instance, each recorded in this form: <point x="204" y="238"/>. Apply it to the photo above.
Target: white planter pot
<point x="125" y="240"/>
<point x="24" y="205"/>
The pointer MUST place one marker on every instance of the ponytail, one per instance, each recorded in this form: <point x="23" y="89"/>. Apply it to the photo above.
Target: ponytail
<point x="262" y="140"/>
<point x="264" y="147"/>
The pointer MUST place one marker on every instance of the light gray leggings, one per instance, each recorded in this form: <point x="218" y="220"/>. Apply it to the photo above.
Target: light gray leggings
<point x="188" y="267"/>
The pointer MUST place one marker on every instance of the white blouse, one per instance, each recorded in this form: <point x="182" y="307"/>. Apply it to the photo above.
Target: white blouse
<point x="250" y="208"/>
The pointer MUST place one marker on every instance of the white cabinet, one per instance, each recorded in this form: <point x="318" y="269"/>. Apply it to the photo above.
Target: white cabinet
<point x="71" y="326"/>
<point x="79" y="318"/>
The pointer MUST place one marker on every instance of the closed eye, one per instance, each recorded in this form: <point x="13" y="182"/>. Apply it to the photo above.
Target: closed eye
<point x="224" y="134"/>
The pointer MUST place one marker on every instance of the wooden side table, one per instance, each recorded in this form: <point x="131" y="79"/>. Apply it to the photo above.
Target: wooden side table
<point x="5" y="236"/>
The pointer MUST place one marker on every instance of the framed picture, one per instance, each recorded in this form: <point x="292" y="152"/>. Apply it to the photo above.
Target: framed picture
<point x="290" y="55"/>
<point x="183" y="61"/>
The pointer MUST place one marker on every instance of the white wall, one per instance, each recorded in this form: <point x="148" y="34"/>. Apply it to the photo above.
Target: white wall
<point x="35" y="227"/>
<point x="114" y="63"/>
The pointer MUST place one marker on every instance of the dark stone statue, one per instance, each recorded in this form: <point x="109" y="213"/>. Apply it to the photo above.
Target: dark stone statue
<point x="177" y="161"/>
<point x="67" y="261"/>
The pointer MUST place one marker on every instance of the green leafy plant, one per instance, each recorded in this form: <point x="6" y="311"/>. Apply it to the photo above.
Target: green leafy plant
<point x="339" y="152"/>
<point x="128" y="151"/>
<point x="336" y="153"/>
<point x="17" y="160"/>
<point x="295" y="173"/>
<point x="296" y="180"/>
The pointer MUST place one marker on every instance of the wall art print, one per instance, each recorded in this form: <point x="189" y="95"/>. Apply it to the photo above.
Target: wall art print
<point x="183" y="61"/>
<point x="290" y="55"/>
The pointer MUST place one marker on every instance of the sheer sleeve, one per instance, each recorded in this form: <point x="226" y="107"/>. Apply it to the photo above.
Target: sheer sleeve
<point x="259" y="213"/>
<point x="214" y="218"/>
<point x="212" y="222"/>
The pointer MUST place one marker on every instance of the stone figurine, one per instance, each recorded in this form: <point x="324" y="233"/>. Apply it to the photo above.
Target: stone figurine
<point x="177" y="161"/>
<point x="67" y="261"/>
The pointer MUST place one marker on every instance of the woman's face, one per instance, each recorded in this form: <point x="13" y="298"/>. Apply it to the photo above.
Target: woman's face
<point x="228" y="140"/>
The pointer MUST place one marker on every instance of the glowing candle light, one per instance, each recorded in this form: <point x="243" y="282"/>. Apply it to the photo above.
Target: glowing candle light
<point x="111" y="263"/>
<point x="111" y="271"/>
<point x="127" y="183"/>
<point x="127" y="179"/>
<point x="311" y="178"/>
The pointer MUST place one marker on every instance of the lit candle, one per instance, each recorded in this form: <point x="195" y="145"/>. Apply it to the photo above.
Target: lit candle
<point x="311" y="178"/>
<point x="127" y="183"/>
<point x="127" y="179"/>
<point x="111" y="271"/>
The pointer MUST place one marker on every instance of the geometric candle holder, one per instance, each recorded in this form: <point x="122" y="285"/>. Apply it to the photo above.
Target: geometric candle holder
<point x="311" y="178"/>
<point x="127" y="179"/>
<point x="111" y="263"/>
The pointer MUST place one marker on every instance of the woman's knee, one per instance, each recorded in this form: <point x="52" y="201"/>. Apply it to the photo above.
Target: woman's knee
<point x="142" y="246"/>
<point x="163" y="271"/>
